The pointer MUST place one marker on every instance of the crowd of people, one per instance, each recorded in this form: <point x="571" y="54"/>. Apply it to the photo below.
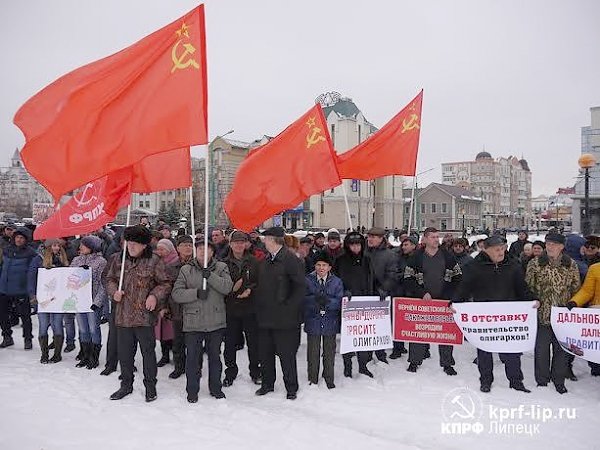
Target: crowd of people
<point x="246" y="290"/>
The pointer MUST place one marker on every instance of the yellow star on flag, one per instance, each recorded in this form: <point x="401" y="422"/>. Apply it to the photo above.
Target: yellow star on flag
<point x="183" y="31"/>
<point x="311" y="122"/>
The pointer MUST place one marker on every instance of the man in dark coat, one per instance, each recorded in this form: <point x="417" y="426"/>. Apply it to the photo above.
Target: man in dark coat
<point x="15" y="262"/>
<point x="356" y="272"/>
<point x="516" y="248"/>
<point x="243" y="269"/>
<point x="494" y="277"/>
<point x="431" y="273"/>
<point x="278" y="303"/>
<point x="385" y="269"/>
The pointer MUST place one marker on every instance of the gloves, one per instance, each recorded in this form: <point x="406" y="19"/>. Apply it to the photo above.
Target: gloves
<point x="95" y="307"/>
<point x="348" y="294"/>
<point x="202" y="294"/>
<point x="321" y="300"/>
<point x="571" y="304"/>
<point x="85" y="266"/>
<point x="206" y="273"/>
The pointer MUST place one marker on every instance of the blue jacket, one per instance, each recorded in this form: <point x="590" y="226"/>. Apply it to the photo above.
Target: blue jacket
<point x="326" y="324"/>
<point x="14" y="271"/>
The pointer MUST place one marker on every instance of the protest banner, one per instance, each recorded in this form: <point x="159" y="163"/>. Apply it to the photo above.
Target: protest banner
<point x="366" y="324"/>
<point x="64" y="290"/>
<point x="578" y="331"/>
<point x="502" y="327"/>
<point x="425" y="321"/>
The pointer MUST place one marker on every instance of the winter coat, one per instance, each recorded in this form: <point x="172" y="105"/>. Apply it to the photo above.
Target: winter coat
<point x="280" y="291"/>
<point x="355" y="271"/>
<point x="144" y="276"/>
<point x="385" y="268"/>
<point x="203" y="315"/>
<point x="14" y="271"/>
<point x="573" y="249"/>
<point x="97" y="263"/>
<point x="413" y="275"/>
<point x="175" y="309"/>
<point x="245" y="269"/>
<point x="589" y="294"/>
<point x="516" y="248"/>
<point x="463" y="260"/>
<point x="486" y="281"/>
<point x="553" y="284"/>
<point x="330" y="296"/>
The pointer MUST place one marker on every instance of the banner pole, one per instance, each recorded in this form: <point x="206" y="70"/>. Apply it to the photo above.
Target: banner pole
<point x="412" y="201"/>
<point x="192" y="217"/>
<point x="206" y="209"/>
<point x="347" y="206"/>
<point x="124" y="248"/>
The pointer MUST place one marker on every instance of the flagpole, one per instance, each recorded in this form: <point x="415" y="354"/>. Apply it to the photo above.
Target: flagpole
<point x="124" y="247"/>
<point x="206" y="209"/>
<point x="347" y="206"/>
<point x="192" y="217"/>
<point x="412" y="201"/>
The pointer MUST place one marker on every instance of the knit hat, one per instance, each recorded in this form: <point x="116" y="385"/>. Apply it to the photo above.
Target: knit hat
<point x="412" y="239"/>
<point x="333" y="236"/>
<point x="94" y="243"/>
<point x="139" y="234"/>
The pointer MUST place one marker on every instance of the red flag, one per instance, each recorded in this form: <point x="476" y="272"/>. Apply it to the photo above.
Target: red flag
<point x="148" y="98"/>
<point x="85" y="211"/>
<point x="97" y="203"/>
<point x="391" y="151"/>
<point x="284" y="172"/>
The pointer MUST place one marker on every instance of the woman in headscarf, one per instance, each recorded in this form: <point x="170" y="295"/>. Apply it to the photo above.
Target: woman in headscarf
<point x="164" y="328"/>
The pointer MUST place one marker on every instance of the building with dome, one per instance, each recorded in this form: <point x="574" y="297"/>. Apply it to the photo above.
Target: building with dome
<point x="504" y="184"/>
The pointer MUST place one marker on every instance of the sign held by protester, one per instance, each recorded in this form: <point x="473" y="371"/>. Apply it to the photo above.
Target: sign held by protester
<point x="64" y="290"/>
<point x="366" y="324"/>
<point x="425" y="321"/>
<point x="578" y="331"/>
<point x="498" y="327"/>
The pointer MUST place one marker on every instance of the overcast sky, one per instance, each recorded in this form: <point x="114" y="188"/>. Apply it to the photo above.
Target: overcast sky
<point x="517" y="77"/>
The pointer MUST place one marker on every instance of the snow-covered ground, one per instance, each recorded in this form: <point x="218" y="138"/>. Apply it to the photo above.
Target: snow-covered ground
<point x="61" y="407"/>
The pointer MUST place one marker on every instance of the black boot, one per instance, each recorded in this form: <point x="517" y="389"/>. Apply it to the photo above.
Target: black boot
<point x="43" y="340"/>
<point x="348" y="368"/>
<point x="150" y="394"/>
<point x="58" y="342"/>
<point x="362" y="369"/>
<point x="177" y="373"/>
<point x="80" y="354"/>
<point x="86" y="348"/>
<point x="69" y="347"/>
<point x="121" y="393"/>
<point x="108" y="370"/>
<point x="51" y="346"/>
<point x="28" y="344"/>
<point x="165" y="347"/>
<point x="519" y="386"/>
<point x="7" y="342"/>
<point x="570" y="375"/>
<point x="94" y="356"/>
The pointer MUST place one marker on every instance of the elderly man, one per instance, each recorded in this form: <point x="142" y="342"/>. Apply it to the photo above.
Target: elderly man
<point x="278" y="302"/>
<point x="145" y="290"/>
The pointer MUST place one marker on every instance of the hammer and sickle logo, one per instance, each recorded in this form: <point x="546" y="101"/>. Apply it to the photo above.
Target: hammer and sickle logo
<point x="411" y="124"/>
<point x="184" y="60"/>
<point x="314" y="136"/>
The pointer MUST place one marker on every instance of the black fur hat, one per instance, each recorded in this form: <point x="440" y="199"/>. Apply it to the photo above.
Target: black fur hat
<point x="138" y="233"/>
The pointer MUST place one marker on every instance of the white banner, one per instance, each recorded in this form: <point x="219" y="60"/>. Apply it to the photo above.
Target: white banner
<point x="578" y="331"/>
<point x="502" y="327"/>
<point x="366" y="324"/>
<point x="64" y="290"/>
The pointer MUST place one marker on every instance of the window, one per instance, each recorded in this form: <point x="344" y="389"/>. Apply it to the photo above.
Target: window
<point x="444" y="207"/>
<point x="433" y="208"/>
<point x="141" y="204"/>
<point x="444" y="224"/>
<point x="147" y="203"/>
<point x="359" y="133"/>
<point x="422" y="208"/>
<point x="333" y="134"/>
<point x="407" y="210"/>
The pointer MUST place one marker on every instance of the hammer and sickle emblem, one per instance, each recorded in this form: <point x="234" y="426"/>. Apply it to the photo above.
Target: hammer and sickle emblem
<point x="412" y="123"/>
<point x="314" y="137"/>
<point x="183" y="61"/>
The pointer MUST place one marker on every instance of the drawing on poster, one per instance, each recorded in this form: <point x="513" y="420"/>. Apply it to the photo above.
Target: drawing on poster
<point x="64" y="289"/>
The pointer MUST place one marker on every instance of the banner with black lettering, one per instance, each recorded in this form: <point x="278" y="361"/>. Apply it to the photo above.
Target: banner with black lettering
<point x="578" y="331"/>
<point x="366" y="324"/>
<point x="500" y="327"/>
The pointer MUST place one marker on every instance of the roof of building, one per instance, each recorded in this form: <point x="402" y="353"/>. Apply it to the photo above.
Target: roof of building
<point x="524" y="165"/>
<point x="345" y="108"/>
<point x="456" y="191"/>
<point x="483" y="155"/>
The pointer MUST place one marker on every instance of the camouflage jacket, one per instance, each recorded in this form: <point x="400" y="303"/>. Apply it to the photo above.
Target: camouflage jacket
<point x="143" y="276"/>
<point x="552" y="283"/>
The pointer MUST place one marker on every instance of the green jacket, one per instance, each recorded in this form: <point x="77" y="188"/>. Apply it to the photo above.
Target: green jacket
<point x="203" y="315"/>
<point x="552" y="283"/>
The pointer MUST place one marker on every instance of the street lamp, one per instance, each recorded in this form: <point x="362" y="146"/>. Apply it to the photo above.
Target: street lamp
<point x="464" y="230"/>
<point x="586" y="162"/>
<point x="213" y="179"/>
